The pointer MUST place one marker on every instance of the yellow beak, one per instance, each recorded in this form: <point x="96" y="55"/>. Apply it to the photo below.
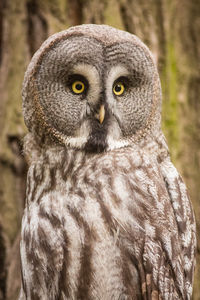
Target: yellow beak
<point x="101" y="114"/>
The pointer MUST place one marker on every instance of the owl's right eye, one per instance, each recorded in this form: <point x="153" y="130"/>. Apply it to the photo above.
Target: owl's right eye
<point x="78" y="87"/>
<point x="118" y="88"/>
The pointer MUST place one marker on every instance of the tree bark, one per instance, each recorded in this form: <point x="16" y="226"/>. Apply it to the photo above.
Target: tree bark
<point x="169" y="27"/>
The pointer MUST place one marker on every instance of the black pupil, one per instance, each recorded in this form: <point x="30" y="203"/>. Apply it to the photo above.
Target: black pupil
<point x="79" y="86"/>
<point x="118" y="88"/>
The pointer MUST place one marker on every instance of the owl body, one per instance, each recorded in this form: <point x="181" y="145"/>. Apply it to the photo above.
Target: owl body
<point x="107" y="215"/>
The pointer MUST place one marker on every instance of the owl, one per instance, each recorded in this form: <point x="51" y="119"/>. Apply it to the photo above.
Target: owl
<point x="107" y="214"/>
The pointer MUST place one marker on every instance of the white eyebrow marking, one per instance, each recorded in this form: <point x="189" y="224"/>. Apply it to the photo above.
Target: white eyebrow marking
<point x="115" y="73"/>
<point x="92" y="75"/>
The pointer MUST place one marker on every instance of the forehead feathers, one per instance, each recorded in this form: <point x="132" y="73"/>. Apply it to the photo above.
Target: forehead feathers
<point x="104" y="33"/>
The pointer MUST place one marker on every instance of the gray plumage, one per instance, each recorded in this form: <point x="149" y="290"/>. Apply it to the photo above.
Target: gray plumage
<point x="107" y="215"/>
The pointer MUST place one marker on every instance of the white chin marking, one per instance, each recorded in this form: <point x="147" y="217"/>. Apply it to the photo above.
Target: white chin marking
<point x="75" y="142"/>
<point x="115" y="144"/>
<point x="80" y="137"/>
<point x="79" y="140"/>
<point x="115" y="137"/>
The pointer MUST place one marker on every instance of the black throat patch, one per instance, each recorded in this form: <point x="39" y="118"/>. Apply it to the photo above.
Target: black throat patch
<point x="97" y="138"/>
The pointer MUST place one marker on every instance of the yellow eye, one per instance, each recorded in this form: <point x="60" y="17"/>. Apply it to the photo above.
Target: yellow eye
<point x="78" y="87"/>
<point x="118" y="89"/>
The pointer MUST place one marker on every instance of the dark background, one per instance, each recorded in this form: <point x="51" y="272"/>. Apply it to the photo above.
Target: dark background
<point x="171" y="28"/>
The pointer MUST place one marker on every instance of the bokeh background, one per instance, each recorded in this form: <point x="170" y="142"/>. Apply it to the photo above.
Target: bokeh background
<point x="171" y="28"/>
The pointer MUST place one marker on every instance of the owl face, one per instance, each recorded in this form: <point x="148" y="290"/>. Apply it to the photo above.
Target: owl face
<point x="93" y="92"/>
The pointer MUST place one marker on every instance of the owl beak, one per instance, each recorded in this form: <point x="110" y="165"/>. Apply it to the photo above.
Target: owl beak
<point x="101" y="114"/>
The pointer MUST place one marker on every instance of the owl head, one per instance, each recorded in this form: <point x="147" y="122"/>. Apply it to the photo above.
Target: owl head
<point x="92" y="87"/>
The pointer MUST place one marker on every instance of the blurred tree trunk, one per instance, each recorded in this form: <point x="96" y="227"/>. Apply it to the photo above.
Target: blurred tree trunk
<point x="169" y="27"/>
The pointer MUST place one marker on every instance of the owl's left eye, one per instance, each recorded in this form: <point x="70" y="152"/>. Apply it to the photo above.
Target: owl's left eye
<point x="78" y="87"/>
<point x="118" y="88"/>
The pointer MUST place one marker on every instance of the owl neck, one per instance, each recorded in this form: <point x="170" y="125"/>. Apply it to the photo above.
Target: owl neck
<point x="33" y="150"/>
<point x="53" y="165"/>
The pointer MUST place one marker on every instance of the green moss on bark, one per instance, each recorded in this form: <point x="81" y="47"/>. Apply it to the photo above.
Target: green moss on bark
<point x="112" y="15"/>
<point x="170" y="115"/>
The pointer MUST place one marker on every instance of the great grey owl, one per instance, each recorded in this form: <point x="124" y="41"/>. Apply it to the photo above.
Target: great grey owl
<point x="107" y="215"/>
